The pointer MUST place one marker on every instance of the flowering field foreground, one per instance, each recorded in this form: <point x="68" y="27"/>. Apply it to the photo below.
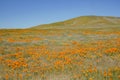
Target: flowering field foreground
<point x="56" y="54"/>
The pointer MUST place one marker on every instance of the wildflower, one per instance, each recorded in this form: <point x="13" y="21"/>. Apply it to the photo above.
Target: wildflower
<point x="6" y="76"/>
<point x="119" y="76"/>
<point x="111" y="78"/>
<point x="90" y="78"/>
<point x="105" y="73"/>
<point x="109" y="74"/>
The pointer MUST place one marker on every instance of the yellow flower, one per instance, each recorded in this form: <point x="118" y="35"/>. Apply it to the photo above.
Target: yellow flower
<point x="6" y="76"/>
<point x="119" y="76"/>
<point x="105" y="74"/>
<point x="90" y="78"/>
<point x="86" y="75"/>
<point x="110" y="79"/>
<point x="109" y="74"/>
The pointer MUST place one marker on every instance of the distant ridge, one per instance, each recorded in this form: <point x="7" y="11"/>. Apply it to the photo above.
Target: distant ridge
<point x="81" y="21"/>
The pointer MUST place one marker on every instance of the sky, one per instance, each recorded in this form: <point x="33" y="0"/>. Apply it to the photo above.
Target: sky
<point x="28" y="13"/>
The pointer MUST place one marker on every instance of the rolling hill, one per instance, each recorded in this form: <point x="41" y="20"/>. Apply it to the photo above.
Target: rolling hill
<point x="82" y="48"/>
<point x="82" y="22"/>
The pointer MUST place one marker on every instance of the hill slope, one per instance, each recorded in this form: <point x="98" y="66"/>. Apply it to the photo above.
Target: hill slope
<point x="80" y="22"/>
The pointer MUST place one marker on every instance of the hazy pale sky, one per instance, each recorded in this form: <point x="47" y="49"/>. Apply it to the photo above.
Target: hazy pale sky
<point x="27" y="13"/>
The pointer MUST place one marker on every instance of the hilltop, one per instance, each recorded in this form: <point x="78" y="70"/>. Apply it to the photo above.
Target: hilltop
<point x="82" y="22"/>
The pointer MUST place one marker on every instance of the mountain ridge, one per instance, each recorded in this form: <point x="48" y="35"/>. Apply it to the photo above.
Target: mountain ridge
<point x="81" y="21"/>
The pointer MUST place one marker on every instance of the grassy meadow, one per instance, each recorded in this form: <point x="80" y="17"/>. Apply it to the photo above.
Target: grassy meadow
<point x="91" y="53"/>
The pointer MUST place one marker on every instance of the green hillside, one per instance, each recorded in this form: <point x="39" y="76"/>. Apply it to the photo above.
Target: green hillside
<point x="82" y="22"/>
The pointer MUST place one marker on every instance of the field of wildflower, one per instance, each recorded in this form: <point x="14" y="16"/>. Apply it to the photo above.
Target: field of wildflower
<point x="60" y="54"/>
